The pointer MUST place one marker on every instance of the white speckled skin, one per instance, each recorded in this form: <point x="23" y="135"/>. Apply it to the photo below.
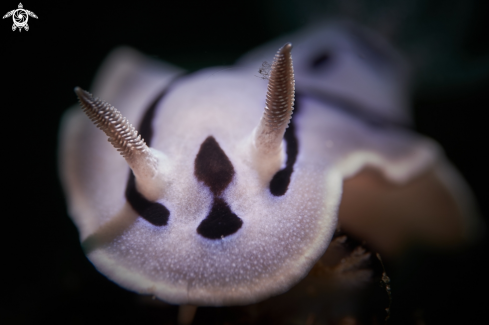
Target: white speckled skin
<point x="282" y="236"/>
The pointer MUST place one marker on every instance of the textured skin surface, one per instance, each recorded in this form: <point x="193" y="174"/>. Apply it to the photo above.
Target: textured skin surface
<point x="281" y="237"/>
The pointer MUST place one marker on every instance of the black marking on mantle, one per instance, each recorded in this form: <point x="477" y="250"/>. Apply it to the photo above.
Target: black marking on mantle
<point x="153" y="212"/>
<point x="215" y="170"/>
<point x="280" y="181"/>
<point x="220" y="222"/>
<point x="213" y="167"/>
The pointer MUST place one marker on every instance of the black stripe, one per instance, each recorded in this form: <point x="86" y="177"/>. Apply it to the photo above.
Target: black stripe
<point x="146" y="127"/>
<point x="153" y="212"/>
<point x="280" y="181"/>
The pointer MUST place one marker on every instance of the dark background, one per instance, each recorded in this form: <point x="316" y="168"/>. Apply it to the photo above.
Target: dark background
<point x="45" y="276"/>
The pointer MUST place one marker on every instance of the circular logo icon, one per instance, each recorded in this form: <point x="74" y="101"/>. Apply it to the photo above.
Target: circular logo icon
<point x="20" y="17"/>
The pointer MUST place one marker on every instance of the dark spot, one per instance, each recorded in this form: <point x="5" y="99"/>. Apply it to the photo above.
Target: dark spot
<point x="220" y="222"/>
<point x="320" y="60"/>
<point x="213" y="167"/>
<point x="153" y="212"/>
<point x="280" y="181"/>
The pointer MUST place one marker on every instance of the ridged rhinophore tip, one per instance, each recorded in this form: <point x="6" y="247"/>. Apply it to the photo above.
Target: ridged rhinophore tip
<point x="267" y="152"/>
<point x="121" y="133"/>
<point x="80" y="92"/>
<point x="83" y="95"/>
<point x="286" y="48"/>
<point x="279" y="102"/>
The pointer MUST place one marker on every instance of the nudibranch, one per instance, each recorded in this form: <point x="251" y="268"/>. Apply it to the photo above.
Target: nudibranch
<point x="218" y="194"/>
